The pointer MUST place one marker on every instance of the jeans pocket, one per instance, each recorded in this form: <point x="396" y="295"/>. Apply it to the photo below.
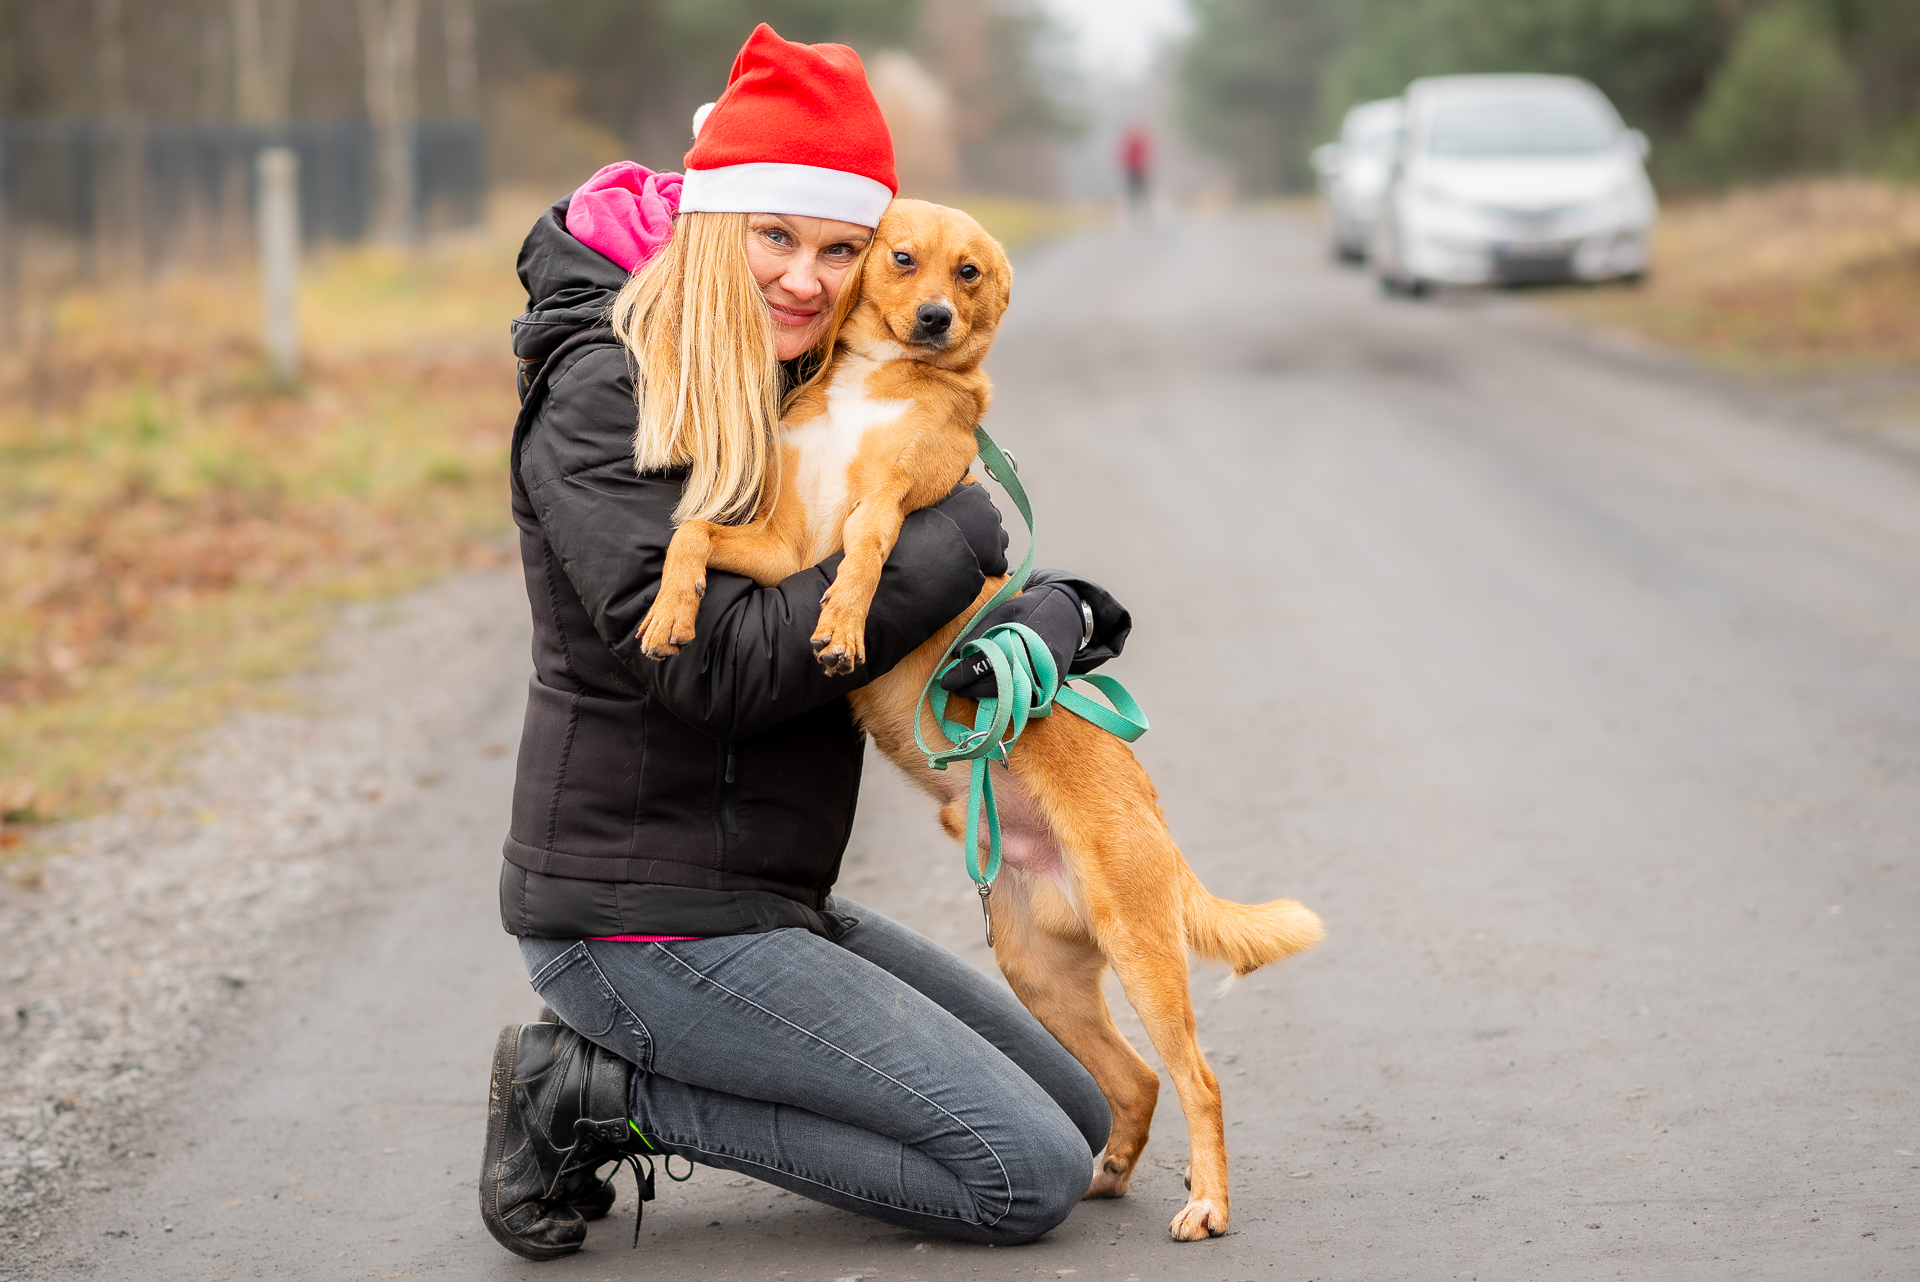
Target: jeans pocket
<point x="580" y="993"/>
<point x="545" y="956"/>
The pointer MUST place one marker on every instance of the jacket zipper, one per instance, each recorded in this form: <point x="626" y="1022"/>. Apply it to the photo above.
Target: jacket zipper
<point x="729" y="793"/>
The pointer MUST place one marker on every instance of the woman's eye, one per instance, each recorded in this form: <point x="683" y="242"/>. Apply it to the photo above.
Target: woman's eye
<point x="905" y="260"/>
<point x="969" y="272"/>
<point x="776" y="236"/>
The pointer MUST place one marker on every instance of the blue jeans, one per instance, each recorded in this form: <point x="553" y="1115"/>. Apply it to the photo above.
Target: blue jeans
<point x="881" y="1074"/>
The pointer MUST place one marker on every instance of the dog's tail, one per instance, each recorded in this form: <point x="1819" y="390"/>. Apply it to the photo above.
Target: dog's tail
<point x="1246" y="936"/>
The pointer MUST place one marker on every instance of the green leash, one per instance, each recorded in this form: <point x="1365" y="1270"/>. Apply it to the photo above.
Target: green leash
<point x="1029" y="685"/>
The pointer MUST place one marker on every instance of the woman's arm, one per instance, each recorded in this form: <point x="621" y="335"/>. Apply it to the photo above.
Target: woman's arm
<point x="752" y="663"/>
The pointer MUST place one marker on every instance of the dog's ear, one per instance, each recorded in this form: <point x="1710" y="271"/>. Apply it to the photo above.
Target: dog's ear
<point x="989" y="252"/>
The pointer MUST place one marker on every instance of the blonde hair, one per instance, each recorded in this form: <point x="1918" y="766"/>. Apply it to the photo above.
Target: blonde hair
<point x="707" y="382"/>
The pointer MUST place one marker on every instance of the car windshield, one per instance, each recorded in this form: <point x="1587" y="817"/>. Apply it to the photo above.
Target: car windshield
<point x="1536" y="125"/>
<point x="1377" y="136"/>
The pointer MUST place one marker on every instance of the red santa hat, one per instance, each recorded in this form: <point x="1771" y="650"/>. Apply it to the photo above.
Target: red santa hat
<point x="796" y="132"/>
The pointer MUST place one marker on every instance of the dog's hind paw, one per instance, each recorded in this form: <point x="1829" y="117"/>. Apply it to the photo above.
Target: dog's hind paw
<point x="1199" y="1220"/>
<point x="1109" y="1180"/>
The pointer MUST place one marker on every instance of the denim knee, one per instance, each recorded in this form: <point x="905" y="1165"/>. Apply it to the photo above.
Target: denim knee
<point x="1058" y="1169"/>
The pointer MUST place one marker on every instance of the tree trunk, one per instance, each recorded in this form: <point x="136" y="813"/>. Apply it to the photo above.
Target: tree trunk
<point x="262" y="60"/>
<point x="389" y="29"/>
<point x="463" y="66"/>
<point x="109" y="59"/>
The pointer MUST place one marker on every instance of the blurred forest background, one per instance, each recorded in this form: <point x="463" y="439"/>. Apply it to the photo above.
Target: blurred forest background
<point x="1729" y="90"/>
<point x="176" y="525"/>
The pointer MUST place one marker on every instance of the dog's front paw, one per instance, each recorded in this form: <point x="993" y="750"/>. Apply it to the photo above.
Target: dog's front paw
<point x="670" y="623"/>
<point x="840" y="643"/>
<point x="1199" y="1220"/>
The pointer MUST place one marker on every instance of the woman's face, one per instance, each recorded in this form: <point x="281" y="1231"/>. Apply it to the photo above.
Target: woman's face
<point x="801" y="264"/>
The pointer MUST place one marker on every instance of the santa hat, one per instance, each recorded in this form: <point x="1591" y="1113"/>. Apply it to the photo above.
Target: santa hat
<point x="796" y="132"/>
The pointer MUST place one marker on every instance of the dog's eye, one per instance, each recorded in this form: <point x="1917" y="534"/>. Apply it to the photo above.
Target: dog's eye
<point x="905" y="260"/>
<point x="969" y="272"/>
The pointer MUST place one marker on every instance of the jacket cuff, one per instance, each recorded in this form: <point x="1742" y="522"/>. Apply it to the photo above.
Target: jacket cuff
<point x="1111" y="621"/>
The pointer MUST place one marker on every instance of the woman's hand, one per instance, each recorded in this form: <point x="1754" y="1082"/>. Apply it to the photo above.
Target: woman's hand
<point x="971" y="508"/>
<point x="1079" y="620"/>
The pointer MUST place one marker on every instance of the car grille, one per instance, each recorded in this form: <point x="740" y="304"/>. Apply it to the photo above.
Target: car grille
<point x="1533" y="263"/>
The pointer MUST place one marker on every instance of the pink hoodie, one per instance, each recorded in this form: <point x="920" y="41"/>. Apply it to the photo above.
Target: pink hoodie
<point x="625" y="212"/>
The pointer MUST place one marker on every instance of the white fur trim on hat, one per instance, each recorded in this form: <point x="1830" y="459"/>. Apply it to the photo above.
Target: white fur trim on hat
<point x="700" y="117"/>
<point x="769" y="188"/>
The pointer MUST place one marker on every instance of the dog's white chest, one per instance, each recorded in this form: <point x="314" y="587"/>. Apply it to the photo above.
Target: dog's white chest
<point x="827" y="445"/>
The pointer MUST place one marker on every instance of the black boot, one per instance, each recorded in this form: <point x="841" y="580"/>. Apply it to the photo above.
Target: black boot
<point x="583" y="1190"/>
<point x="557" y="1111"/>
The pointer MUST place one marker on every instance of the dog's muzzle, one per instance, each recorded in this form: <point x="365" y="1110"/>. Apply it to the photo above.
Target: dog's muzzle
<point x="931" y="321"/>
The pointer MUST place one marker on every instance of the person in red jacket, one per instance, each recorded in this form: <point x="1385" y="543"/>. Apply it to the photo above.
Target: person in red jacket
<point x="1136" y="162"/>
<point x="677" y="826"/>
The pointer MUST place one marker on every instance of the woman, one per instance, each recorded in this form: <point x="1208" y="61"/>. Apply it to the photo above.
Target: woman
<point x="678" y="826"/>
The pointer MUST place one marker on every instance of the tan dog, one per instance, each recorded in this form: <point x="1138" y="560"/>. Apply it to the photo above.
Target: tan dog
<point x="1092" y="876"/>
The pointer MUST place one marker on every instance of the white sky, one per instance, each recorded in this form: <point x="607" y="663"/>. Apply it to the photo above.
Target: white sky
<point x="1117" y="38"/>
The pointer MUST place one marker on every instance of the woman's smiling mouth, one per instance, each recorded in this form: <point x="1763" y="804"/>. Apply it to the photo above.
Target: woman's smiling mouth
<point x="791" y="315"/>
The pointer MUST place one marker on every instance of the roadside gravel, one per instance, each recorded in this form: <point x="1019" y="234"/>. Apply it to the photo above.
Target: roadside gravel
<point x="130" y="940"/>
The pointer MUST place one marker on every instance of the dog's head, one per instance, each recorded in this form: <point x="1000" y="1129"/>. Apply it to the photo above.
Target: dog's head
<point x="934" y="286"/>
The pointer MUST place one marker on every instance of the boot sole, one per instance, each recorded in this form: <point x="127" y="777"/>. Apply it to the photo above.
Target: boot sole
<point x="499" y="1099"/>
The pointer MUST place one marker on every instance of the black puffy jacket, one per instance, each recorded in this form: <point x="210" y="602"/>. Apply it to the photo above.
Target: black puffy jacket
<point x="711" y="793"/>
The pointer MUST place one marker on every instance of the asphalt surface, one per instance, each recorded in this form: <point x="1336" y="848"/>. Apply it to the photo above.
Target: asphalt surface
<point x="1577" y="690"/>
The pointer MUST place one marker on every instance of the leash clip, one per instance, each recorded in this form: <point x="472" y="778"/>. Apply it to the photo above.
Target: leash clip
<point x="986" y="918"/>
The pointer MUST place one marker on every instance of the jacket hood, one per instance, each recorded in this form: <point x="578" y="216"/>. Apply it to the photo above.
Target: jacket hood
<point x="569" y="287"/>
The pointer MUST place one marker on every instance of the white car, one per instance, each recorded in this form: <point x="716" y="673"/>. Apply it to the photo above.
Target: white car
<point x="1353" y="173"/>
<point x="1513" y="180"/>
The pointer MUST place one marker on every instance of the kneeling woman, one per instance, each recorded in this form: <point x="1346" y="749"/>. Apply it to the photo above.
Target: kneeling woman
<point x="678" y="826"/>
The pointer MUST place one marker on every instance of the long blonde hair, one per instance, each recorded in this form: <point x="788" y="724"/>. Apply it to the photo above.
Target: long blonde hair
<point x="707" y="381"/>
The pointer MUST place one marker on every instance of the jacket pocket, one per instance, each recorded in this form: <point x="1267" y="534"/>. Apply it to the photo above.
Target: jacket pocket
<point x="730" y="793"/>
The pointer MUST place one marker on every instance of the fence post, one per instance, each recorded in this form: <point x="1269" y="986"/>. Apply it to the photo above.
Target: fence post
<point x="277" y="228"/>
<point x="9" y="242"/>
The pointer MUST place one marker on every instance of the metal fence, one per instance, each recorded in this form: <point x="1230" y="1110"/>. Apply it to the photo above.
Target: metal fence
<point x="160" y="192"/>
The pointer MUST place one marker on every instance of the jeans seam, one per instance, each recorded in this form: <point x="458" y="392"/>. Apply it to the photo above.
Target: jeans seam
<point x="1006" y="1180"/>
<point x="825" y="1184"/>
<point x="621" y="1002"/>
<point x="546" y="972"/>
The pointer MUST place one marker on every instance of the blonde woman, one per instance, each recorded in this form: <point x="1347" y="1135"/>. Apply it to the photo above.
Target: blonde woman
<point x="678" y="826"/>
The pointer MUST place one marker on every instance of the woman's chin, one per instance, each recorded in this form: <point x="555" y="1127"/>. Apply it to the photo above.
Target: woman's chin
<point x="790" y="341"/>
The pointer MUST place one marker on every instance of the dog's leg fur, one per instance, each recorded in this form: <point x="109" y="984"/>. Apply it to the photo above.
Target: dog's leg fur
<point x="872" y="528"/>
<point x="1055" y="968"/>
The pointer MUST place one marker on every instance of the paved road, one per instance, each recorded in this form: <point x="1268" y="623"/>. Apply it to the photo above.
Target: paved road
<point x="1578" y="692"/>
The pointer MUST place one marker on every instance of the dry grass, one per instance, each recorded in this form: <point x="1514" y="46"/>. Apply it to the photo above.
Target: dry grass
<point x="172" y="531"/>
<point x="1813" y="274"/>
<point x="1017" y="222"/>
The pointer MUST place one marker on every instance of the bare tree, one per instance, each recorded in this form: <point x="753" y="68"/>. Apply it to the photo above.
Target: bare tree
<point x="463" y="66"/>
<point x="262" y="60"/>
<point x="390" y="31"/>
<point x="110" y="59"/>
<point x="216" y="76"/>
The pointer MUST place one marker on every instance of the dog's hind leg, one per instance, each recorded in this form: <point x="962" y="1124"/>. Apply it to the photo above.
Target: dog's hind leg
<point x="1055" y="968"/>
<point x="1151" y="961"/>
<point x="1132" y="880"/>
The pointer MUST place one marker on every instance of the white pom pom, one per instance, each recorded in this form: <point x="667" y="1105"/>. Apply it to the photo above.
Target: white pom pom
<point x="700" y="118"/>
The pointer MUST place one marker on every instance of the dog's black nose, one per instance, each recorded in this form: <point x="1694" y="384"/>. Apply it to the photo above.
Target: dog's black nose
<point x="934" y="318"/>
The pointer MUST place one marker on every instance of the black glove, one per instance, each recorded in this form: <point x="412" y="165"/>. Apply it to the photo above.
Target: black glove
<point x="1051" y="609"/>
<point x="971" y="508"/>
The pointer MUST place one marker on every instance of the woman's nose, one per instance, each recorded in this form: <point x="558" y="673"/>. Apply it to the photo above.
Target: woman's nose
<point x="803" y="285"/>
